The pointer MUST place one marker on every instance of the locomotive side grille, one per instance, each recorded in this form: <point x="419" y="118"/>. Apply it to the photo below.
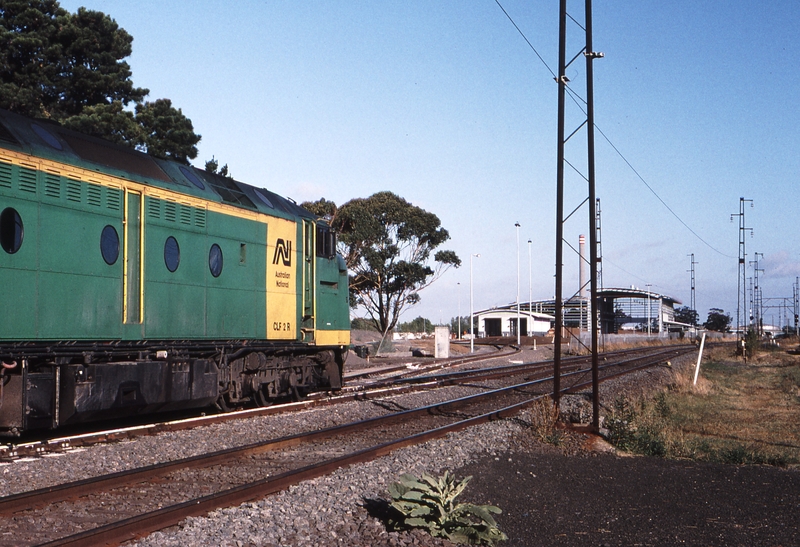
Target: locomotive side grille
<point x="94" y="195"/>
<point x="153" y="209"/>
<point x="186" y="214"/>
<point x="169" y="211"/>
<point x="27" y="180"/>
<point x="52" y="185"/>
<point x="5" y="174"/>
<point x="200" y="218"/>
<point x="74" y="190"/>
<point x="113" y="198"/>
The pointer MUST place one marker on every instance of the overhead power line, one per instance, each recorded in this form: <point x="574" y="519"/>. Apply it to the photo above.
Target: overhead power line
<point x="577" y="99"/>
<point x="525" y="38"/>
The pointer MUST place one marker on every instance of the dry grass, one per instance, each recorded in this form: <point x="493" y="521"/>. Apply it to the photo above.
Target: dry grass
<point x="574" y="348"/>
<point x="736" y="413"/>
<point x="683" y="382"/>
<point x="543" y="419"/>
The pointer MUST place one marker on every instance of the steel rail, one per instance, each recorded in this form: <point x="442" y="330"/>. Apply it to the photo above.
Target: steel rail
<point x="379" y="388"/>
<point x="360" y="393"/>
<point x="518" y="368"/>
<point x="433" y="365"/>
<point x="26" y="500"/>
<point x="146" y="523"/>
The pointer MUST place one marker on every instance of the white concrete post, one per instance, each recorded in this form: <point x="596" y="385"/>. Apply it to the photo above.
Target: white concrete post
<point x="699" y="356"/>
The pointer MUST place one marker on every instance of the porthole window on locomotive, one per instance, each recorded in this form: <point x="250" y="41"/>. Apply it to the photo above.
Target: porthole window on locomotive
<point x="11" y="230"/>
<point x="172" y="254"/>
<point x="215" y="260"/>
<point x="109" y="244"/>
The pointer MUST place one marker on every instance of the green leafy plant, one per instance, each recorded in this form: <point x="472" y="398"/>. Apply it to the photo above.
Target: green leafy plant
<point x="752" y="343"/>
<point x="621" y="429"/>
<point x="429" y="503"/>
<point x="640" y="432"/>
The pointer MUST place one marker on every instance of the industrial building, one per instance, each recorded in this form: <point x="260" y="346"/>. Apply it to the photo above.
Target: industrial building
<point x="503" y="322"/>
<point x="620" y="311"/>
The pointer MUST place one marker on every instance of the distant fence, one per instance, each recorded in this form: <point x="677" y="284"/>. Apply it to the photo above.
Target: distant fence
<point x="586" y="337"/>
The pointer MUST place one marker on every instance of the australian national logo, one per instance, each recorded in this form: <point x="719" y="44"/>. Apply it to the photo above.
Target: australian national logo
<point x="283" y="252"/>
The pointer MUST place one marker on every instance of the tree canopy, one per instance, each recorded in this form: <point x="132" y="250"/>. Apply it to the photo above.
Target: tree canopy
<point x="717" y="320"/>
<point x="420" y="324"/>
<point x="687" y="315"/>
<point x="212" y="166"/>
<point x="69" y="68"/>
<point x="387" y="245"/>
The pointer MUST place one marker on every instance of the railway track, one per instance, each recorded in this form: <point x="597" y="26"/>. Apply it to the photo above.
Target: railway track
<point x="154" y="497"/>
<point x="365" y="385"/>
<point x="372" y="383"/>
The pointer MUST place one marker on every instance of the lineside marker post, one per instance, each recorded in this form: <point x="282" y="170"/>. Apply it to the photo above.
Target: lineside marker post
<point x="699" y="356"/>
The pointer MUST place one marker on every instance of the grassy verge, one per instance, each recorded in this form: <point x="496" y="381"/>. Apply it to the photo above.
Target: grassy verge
<point x="736" y="413"/>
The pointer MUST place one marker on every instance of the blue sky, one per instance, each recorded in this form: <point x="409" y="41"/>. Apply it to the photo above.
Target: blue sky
<point x="443" y="103"/>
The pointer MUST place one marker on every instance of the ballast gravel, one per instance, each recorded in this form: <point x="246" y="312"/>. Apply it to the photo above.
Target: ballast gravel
<point x="34" y="473"/>
<point x="338" y="509"/>
<point x="333" y="510"/>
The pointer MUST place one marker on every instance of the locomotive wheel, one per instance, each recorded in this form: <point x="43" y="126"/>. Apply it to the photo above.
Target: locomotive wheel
<point x="222" y="404"/>
<point x="261" y="398"/>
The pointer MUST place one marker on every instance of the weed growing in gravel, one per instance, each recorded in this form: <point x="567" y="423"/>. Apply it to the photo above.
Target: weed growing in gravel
<point x="544" y="418"/>
<point x="429" y="503"/>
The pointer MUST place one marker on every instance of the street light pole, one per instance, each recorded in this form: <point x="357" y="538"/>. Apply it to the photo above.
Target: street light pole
<point x="530" y="281"/>
<point x="648" y="285"/>
<point x="459" y="311"/>
<point x="519" y="329"/>
<point x="471" y="318"/>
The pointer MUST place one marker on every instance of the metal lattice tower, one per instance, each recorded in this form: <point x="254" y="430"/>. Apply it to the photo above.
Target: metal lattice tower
<point x="796" y="294"/>
<point x="563" y="81"/>
<point x="741" y="289"/>
<point x="599" y="265"/>
<point x="599" y="245"/>
<point x="692" y="300"/>
<point x="758" y="305"/>
<point x="779" y="304"/>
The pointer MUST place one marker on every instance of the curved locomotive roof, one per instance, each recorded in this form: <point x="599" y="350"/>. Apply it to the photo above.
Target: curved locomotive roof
<point x="47" y="139"/>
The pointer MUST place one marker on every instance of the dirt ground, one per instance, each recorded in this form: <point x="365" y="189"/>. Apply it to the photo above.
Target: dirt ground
<point x="549" y="498"/>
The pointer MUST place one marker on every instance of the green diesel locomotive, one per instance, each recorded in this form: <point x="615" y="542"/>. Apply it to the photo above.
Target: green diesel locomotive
<point x="131" y="284"/>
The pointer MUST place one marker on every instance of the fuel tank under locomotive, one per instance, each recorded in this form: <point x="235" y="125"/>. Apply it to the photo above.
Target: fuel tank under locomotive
<point x="55" y="395"/>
